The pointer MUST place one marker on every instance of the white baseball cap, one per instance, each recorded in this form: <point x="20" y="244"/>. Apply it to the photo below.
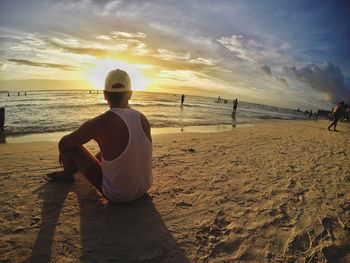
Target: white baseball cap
<point x="117" y="81"/>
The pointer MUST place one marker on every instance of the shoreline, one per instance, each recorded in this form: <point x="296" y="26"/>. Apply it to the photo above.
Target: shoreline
<point x="55" y="136"/>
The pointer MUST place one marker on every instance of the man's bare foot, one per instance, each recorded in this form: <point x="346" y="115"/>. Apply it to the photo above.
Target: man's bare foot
<point x="59" y="176"/>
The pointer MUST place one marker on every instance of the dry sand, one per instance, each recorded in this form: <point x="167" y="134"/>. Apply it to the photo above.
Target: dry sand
<point x="268" y="193"/>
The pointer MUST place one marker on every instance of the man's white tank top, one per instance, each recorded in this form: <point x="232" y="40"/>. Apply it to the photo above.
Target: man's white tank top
<point x="129" y="176"/>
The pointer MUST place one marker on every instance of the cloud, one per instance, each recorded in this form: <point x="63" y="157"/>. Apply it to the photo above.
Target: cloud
<point x="283" y="81"/>
<point x="136" y="47"/>
<point x="96" y="52"/>
<point x="203" y="61"/>
<point x="33" y="41"/>
<point x="140" y="49"/>
<point x="258" y="51"/>
<point x="246" y="48"/>
<point x="103" y="37"/>
<point x="325" y="78"/>
<point x="170" y="55"/>
<point x="184" y="59"/>
<point x="120" y="34"/>
<point x="41" y="64"/>
<point x="190" y="78"/>
<point x="280" y="79"/>
<point x="266" y="69"/>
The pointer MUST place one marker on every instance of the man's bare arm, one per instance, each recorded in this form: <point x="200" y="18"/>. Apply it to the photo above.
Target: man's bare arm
<point x="82" y="135"/>
<point x="99" y="156"/>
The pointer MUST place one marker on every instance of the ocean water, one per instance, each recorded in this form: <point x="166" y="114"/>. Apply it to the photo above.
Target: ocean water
<point x="53" y="111"/>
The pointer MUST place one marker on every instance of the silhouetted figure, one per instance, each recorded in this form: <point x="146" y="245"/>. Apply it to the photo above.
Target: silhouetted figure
<point x="18" y="93"/>
<point x="337" y="113"/>
<point x="182" y="99"/>
<point x="330" y="115"/>
<point x="25" y="93"/>
<point x="122" y="171"/>
<point x="235" y="103"/>
<point x="347" y="112"/>
<point x="310" y="114"/>
<point x="8" y="94"/>
<point x="2" y="125"/>
<point x="233" y="120"/>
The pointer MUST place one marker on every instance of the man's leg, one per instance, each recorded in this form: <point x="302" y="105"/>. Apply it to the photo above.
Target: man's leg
<point x="329" y="127"/>
<point x="335" y="124"/>
<point x="79" y="158"/>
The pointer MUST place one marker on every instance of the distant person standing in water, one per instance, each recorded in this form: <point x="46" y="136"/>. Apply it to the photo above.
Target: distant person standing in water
<point x="337" y="113"/>
<point x="182" y="99"/>
<point x="235" y="103"/>
<point x="122" y="170"/>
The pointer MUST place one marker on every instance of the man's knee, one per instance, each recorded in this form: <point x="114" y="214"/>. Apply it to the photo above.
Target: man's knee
<point x="72" y="152"/>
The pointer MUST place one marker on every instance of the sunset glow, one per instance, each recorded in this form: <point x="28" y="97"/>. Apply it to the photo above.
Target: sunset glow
<point x="96" y="74"/>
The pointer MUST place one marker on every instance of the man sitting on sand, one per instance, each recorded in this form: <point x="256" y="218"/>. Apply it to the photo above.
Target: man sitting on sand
<point x="336" y="114"/>
<point x="122" y="171"/>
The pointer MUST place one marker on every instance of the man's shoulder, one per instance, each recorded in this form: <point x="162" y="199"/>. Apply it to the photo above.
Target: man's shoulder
<point x="100" y="118"/>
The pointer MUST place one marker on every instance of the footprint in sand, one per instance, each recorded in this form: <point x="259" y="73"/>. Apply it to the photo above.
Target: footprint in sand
<point x="227" y="246"/>
<point x="184" y="204"/>
<point x="35" y="220"/>
<point x="211" y="235"/>
<point x="334" y="253"/>
<point x="300" y="242"/>
<point x="221" y="238"/>
<point x="292" y="183"/>
<point x="220" y="220"/>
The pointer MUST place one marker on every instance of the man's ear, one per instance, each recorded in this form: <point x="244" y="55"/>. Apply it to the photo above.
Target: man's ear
<point x="105" y="96"/>
<point x="130" y="93"/>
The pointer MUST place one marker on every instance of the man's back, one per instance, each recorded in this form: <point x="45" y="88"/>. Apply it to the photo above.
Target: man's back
<point x="338" y="110"/>
<point x="112" y="134"/>
<point x="126" y="154"/>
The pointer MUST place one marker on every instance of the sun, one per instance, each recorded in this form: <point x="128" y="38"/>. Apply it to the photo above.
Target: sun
<point x="97" y="74"/>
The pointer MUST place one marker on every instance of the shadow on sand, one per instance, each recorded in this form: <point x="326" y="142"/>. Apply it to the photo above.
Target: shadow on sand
<point x="132" y="232"/>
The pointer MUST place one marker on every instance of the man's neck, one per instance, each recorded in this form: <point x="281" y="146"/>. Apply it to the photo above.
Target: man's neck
<point x="120" y="105"/>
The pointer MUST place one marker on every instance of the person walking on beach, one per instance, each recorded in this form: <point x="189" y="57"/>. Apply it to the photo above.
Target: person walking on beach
<point x="310" y="114"/>
<point x="122" y="171"/>
<point x="337" y="113"/>
<point x="316" y="115"/>
<point x="235" y="103"/>
<point x="182" y="99"/>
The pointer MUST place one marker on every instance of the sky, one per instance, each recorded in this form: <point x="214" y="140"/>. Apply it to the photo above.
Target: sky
<point x="277" y="52"/>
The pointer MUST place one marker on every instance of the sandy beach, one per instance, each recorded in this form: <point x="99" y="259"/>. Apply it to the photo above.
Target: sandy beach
<point x="267" y="193"/>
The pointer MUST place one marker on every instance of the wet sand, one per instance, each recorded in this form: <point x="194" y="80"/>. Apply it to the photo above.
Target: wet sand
<point x="267" y="193"/>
